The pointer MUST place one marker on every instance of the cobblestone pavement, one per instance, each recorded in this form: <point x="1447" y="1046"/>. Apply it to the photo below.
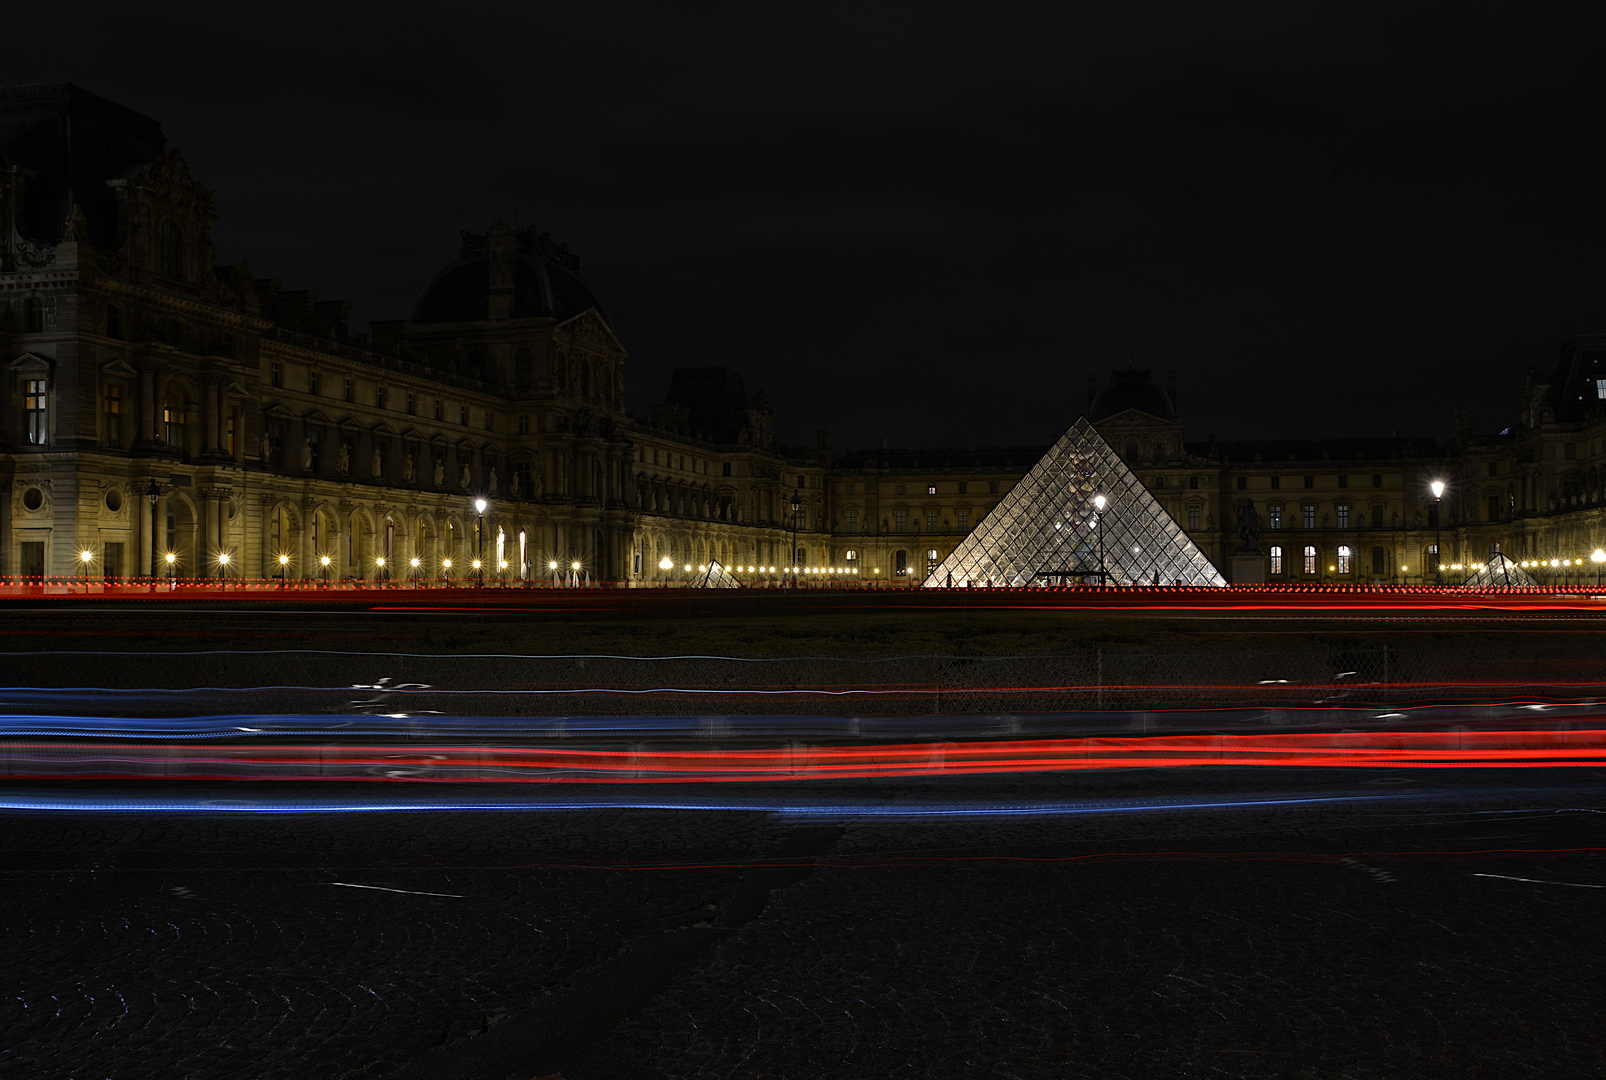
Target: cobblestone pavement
<point x="1459" y="935"/>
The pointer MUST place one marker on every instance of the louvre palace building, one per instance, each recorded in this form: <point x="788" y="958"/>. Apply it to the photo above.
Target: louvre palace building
<point x="165" y="412"/>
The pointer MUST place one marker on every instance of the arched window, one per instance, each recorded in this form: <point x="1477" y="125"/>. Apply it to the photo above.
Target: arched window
<point x="1310" y="558"/>
<point x="1276" y="559"/>
<point x="850" y="555"/>
<point x="900" y="562"/>
<point x="172" y="251"/>
<point x="1344" y="556"/>
<point x="523" y="368"/>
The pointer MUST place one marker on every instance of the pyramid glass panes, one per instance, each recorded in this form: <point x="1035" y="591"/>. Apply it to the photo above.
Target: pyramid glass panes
<point x="717" y="578"/>
<point x="1049" y="531"/>
<point x="1500" y="572"/>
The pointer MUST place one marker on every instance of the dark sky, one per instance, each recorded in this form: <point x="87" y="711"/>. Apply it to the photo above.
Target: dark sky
<point x="929" y="223"/>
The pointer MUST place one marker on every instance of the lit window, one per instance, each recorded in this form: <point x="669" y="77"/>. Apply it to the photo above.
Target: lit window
<point x="1343" y="558"/>
<point x="931" y="489"/>
<point x="34" y="403"/>
<point x="1274" y="515"/>
<point x="1276" y="559"/>
<point x="850" y="555"/>
<point x="1343" y="515"/>
<point x="1310" y="559"/>
<point x="173" y="420"/>
<point x="1600" y="388"/>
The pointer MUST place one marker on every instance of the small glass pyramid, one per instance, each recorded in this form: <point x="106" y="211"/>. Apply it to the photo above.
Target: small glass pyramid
<point x="1499" y="572"/>
<point x="716" y="578"/>
<point x="1047" y="530"/>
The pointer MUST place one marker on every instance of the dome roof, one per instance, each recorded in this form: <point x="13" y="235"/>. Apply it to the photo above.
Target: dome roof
<point x="1131" y="389"/>
<point x="547" y="283"/>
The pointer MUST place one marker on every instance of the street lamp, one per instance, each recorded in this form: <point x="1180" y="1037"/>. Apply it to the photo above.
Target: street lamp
<point x="479" y="508"/>
<point x="284" y="569"/>
<point x="223" y="567"/>
<point x="153" y="493"/>
<point x="379" y="561"/>
<point x="86" y="557"/>
<point x="323" y="563"/>
<point x="1598" y="558"/>
<point x="1099" y="502"/>
<point x="1438" y="524"/>
<point x="797" y="511"/>
<point x="172" y="568"/>
<point x="446" y="564"/>
<point x="413" y="577"/>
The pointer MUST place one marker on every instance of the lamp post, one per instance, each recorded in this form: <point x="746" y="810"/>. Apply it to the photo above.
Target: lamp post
<point x="284" y="570"/>
<point x="384" y="571"/>
<point x="446" y="564"/>
<point x="1099" y="503"/>
<point x="153" y="493"/>
<point x="323" y="569"/>
<point x="797" y="512"/>
<point x="172" y="570"/>
<point x="1597" y="558"/>
<point x="413" y="575"/>
<point x="479" y="528"/>
<point x="223" y="568"/>
<point x="86" y="557"/>
<point x="1438" y="525"/>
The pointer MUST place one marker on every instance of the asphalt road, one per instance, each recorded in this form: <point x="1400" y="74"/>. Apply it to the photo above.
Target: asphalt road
<point x="1191" y="923"/>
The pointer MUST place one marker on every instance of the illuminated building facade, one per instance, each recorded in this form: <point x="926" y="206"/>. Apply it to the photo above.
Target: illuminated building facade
<point x="266" y="429"/>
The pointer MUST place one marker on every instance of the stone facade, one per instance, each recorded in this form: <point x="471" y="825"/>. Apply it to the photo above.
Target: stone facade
<point x="266" y="428"/>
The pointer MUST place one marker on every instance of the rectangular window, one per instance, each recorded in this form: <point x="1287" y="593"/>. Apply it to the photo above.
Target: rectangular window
<point x="1343" y="559"/>
<point x="964" y="488"/>
<point x="1494" y="468"/>
<point x="462" y="415"/>
<point x="1310" y="516"/>
<point x="440" y="409"/>
<point x="1276" y="482"/>
<point x="1494" y="508"/>
<point x="1193" y="518"/>
<point x="312" y="381"/>
<point x="278" y="374"/>
<point x="379" y="397"/>
<point x="1600" y="388"/>
<point x="409" y="403"/>
<point x="725" y="470"/>
<point x="963" y="519"/>
<point x="232" y="434"/>
<point x="1274" y="517"/>
<point x="900" y="520"/>
<point x="1193" y="483"/>
<point x="1343" y="481"/>
<point x="490" y="420"/>
<point x="1377" y="479"/>
<point x="1378" y="559"/>
<point x="1310" y="559"/>
<point x="1343" y="515"/>
<point x="114" y="417"/>
<point x="1310" y="481"/>
<point x="852" y="518"/>
<point x="524" y="423"/>
<point x="897" y="489"/>
<point x="1433" y="558"/>
<point x="931" y="521"/>
<point x="349" y="393"/>
<point x="1378" y="514"/>
<point x="931" y="489"/>
<point x="1276" y="559"/>
<point x="992" y="487"/>
<point x="275" y="440"/>
<point x="34" y="403"/>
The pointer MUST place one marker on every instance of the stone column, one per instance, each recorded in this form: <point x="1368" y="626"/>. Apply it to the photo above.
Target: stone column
<point x="147" y="537"/>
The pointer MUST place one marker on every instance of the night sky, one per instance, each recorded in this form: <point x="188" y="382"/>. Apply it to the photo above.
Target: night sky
<point x="926" y="223"/>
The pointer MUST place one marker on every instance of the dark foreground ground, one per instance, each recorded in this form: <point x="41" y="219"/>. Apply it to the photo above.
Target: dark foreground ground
<point x="1206" y="923"/>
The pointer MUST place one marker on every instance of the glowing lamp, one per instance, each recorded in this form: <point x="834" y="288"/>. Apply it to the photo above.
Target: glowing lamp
<point x="445" y="563"/>
<point x="1099" y="502"/>
<point x="223" y="558"/>
<point x="1438" y="488"/>
<point x="575" y="565"/>
<point x="665" y="563"/>
<point x="476" y="564"/>
<point x="415" y="563"/>
<point x="86" y="555"/>
<point x="552" y="564"/>
<point x="479" y="506"/>
<point x="324" y="559"/>
<point x="284" y="560"/>
<point x="504" y="564"/>
<point x="171" y="558"/>
<point x="379" y="561"/>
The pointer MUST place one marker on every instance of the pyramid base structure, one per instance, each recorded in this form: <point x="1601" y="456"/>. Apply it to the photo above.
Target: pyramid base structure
<point x="1050" y="530"/>
<point x="717" y="577"/>
<point x="1499" y="573"/>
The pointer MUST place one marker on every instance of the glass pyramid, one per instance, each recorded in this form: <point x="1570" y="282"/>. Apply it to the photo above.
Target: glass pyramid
<point x="1499" y="572"/>
<point x="716" y="578"/>
<point x="1047" y="530"/>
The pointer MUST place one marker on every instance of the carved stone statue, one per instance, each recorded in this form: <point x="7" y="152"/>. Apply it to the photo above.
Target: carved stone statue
<point x="440" y="472"/>
<point x="306" y="455"/>
<point x="517" y="485"/>
<point x="407" y="469"/>
<point x="267" y="451"/>
<point x="491" y="482"/>
<point x="1248" y="530"/>
<point x="343" y="465"/>
<point x="378" y="468"/>
<point x="466" y="479"/>
<point x="537" y="485"/>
